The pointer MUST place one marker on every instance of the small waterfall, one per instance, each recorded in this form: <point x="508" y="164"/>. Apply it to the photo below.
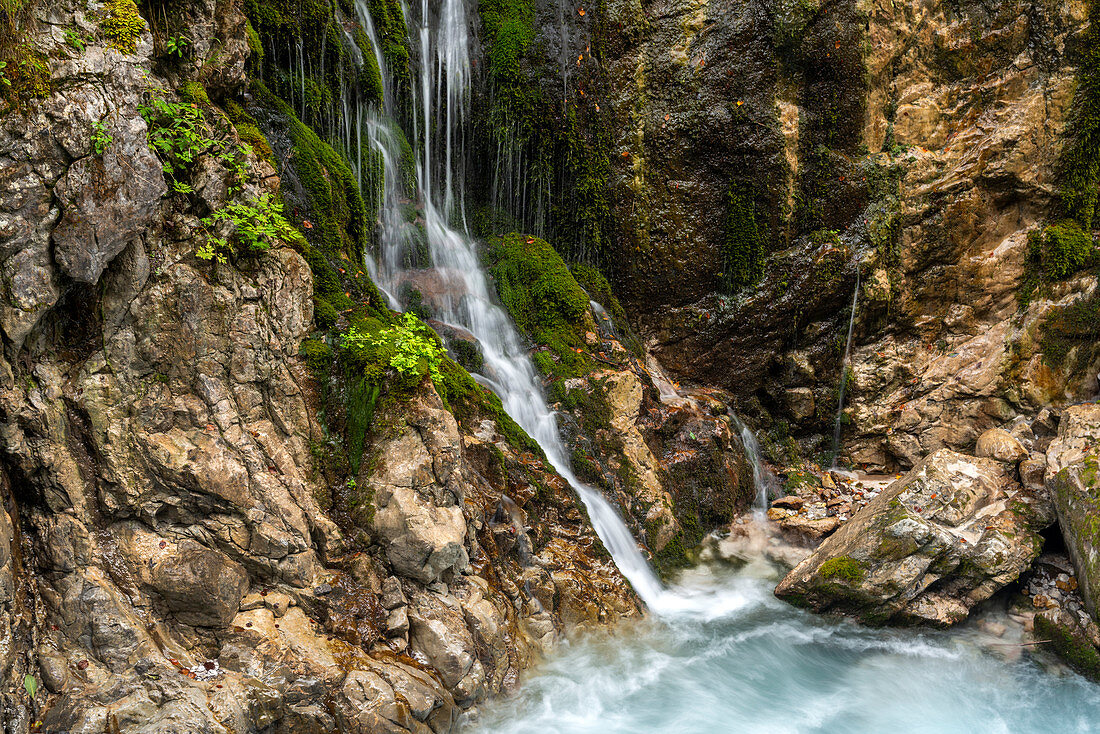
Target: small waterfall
<point x="844" y="371"/>
<point x="763" y="480"/>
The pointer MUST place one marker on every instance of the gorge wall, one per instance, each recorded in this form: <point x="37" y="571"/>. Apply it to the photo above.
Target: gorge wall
<point x="241" y="493"/>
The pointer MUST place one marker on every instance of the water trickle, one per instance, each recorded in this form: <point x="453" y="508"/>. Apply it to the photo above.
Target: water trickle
<point x="844" y="372"/>
<point x="767" y="486"/>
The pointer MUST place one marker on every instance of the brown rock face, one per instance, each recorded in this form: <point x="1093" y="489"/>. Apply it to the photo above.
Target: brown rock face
<point x="167" y="558"/>
<point x="929" y="547"/>
<point x="917" y="140"/>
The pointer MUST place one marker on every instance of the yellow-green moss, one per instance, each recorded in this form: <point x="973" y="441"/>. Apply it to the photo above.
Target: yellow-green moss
<point x="543" y="298"/>
<point x="121" y="24"/>
<point x="249" y="132"/>
<point x="194" y="93"/>
<point x="845" y="568"/>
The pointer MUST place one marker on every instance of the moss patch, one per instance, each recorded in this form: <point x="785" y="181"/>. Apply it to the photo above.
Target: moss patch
<point x="1071" y="647"/>
<point x="1079" y="163"/>
<point x="744" y="245"/>
<point x="543" y="298"/>
<point x="844" y="568"/>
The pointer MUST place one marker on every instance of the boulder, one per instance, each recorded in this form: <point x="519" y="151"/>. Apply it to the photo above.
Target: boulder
<point x="1073" y="479"/>
<point x="941" y="539"/>
<point x="999" y="444"/>
<point x="415" y="485"/>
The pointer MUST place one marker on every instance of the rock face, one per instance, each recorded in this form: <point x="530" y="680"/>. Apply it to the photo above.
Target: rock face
<point x="943" y="538"/>
<point x="177" y="552"/>
<point x="1074" y="485"/>
<point x="916" y="142"/>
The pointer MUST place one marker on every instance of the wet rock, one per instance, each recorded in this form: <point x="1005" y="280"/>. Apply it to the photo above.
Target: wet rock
<point x="944" y="537"/>
<point x="201" y="586"/>
<point x="107" y="201"/>
<point x="999" y="444"/>
<point x="789" y="502"/>
<point x="1073" y="479"/>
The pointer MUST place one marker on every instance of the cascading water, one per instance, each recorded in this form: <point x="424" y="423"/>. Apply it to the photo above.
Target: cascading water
<point x="721" y="651"/>
<point x="763" y="479"/>
<point x="465" y="299"/>
<point x="844" y="371"/>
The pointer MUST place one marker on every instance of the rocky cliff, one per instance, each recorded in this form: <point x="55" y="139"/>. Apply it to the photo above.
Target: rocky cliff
<point x="205" y="526"/>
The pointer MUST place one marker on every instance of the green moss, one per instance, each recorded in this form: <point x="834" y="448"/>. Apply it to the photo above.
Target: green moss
<point x="744" y="245"/>
<point x="544" y="299"/>
<point x="845" y="568"/>
<point x="1067" y="327"/>
<point x="249" y="132"/>
<point x="509" y="28"/>
<point x="194" y="93"/>
<point x="318" y="356"/>
<point x="1072" y="647"/>
<point x="339" y="216"/>
<point x="255" y="48"/>
<point x="1061" y="249"/>
<point x="121" y="24"/>
<point x="1079" y="163"/>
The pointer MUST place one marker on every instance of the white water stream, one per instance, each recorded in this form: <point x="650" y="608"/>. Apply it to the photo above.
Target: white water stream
<point x="718" y="652"/>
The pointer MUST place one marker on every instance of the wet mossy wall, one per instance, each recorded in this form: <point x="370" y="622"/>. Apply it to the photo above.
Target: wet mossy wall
<point x="1079" y="163"/>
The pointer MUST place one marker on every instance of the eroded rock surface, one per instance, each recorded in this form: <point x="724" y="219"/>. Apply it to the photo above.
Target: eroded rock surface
<point x="941" y="539"/>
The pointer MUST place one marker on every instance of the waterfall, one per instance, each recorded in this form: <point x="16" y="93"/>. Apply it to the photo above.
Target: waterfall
<point x="844" y="371"/>
<point x="441" y="108"/>
<point x="763" y="479"/>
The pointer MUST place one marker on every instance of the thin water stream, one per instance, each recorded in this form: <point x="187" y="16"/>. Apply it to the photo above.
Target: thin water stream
<point x="718" y="652"/>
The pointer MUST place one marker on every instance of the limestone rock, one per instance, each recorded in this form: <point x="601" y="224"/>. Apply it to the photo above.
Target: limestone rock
<point x="107" y="201"/>
<point x="416" y="489"/>
<point x="928" y="548"/>
<point x="1073" y="479"/>
<point x="999" y="444"/>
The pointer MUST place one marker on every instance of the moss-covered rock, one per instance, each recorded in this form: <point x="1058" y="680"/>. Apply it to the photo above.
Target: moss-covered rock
<point x="543" y="299"/>
<point x="121" y="24"/>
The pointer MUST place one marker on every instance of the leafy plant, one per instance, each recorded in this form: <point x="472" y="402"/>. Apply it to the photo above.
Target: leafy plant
<point x="412" y="345"/>
<point x="254" y="226"/>
<point x="101" y="139"/>
<point x="180" y="134"/>
<point x="177" y="46"/>
<point x="3" y="77"/>
<point x="31" y="684"/>
<point x="73" y="39"/>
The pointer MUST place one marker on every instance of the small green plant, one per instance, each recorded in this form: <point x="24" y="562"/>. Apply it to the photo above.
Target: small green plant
<point x="74" y="41"/>
<point x="177" y="46"/>
<point x="412" y="345"/>
<point x="31" y="684"/>
<point x="254" y="227"/>
<point x="122" y="24"/>
<point x="101" y="139"/>
<point x="180" y="134"/>
<point x="3" y="76"/>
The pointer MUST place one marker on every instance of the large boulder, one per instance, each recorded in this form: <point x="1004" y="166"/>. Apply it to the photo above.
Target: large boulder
<point x="1074" y="484"/>
<point x="929" y="547"/>
<point x="414" y="486"/>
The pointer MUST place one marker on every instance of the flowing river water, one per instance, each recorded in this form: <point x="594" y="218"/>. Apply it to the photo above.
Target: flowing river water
<point x="717" y="652"/>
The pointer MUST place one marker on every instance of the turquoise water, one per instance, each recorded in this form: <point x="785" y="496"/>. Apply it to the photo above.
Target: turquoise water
<point x="738" y="660"/>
